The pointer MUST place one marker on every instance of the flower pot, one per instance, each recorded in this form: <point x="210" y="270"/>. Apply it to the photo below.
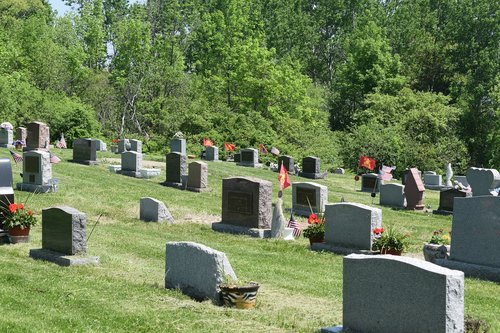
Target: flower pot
<point x="241" y="297"/>
<point x="316" y="239"/>
<point x="435" y="251"/>
<point x="18" y="235"/>
<point x="390" y="251"/>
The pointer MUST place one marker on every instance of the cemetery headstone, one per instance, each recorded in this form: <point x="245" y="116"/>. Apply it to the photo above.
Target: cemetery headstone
<point x="198" y="177"/>
<point x="433" y="181"/>
<point x="483" y="181"/>
<point x="412" y="296"/>
<point x="462" y="180"/>
<point x="405" y="175"/>
<point x="38" y="136"/>
<point x="237" y="157"/>
<point x="287" y="162"/>
<point x="131" y="164"/>
<point x="349" y="228"/>
<point x="64" y="237"/>
<point x="307" y="196"/>
<point x="197" y="270"/>
<point x="176" y="170"/>
<point x="136" y="145"/>
<point x="152" y="210"/>
<point x="311" y="168"/>
<point x="100" y="145"/>
<point x="123" y="146"/>
<point x="85" y="151"/>
<point x="370" y="183"/>
<point x="21" y="134"/>
<point x="6" y="138"/>
<point x="446" y="199"/>
<point x="246" y="206"/>
<point x="212" y="154"/>
<point x="475" y="237"/>
<point x="392" y="195"/>
<point x="249" y="157"/>
<point x="6" y="190"/>
<point x="37" y="172"/>
<point x="178" y="146"/>
<point x="339" y="171"/>
<point x="414" y="190"/>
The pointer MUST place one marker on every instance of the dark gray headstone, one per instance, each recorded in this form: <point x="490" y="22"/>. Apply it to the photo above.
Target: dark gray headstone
<point x="178" y="146"/>
<point x="249" y="157"/>
<point x="237" y="157"/>
<point x="212" y="153"/>
<point x="447" y="197"/>
<point x="176" y="167"/>
<point x="307" y="196"/>
<point x="311" y="164"/>
<point x="287" y="162"/>
<point x="123" y="146"/>
<point x="247" y="202"/>
<point x="85" y="151"/>
<point x="370" y="182"/>
<point x="64" y="230"/>
<point x="198" y="176"/>
<point x="136" y="145"/>
<point x="38" y="135"/>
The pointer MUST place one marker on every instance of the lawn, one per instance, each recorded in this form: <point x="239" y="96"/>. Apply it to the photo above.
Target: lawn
<point x="301" y="291"/>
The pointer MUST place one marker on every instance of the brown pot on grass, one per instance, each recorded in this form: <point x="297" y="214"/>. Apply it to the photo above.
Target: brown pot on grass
<point x="18" y="235"/>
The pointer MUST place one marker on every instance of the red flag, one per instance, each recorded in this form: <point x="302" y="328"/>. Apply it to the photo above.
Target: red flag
<point x="367" y="162"/>
<point x="207" y="142"/>
<point x="283" y="177"/>
<point x="229" y="146"/>
<point x="262" y="149"/>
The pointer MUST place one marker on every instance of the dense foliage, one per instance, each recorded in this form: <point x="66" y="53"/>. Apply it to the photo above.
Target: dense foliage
<point x="410" y="83"/>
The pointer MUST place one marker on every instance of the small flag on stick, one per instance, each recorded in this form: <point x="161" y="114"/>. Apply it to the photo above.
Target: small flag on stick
<point x="229" y="146"/>
<point x="296" y="227"/>
<point x="17" y="158"/>
<point x="262" y="149"/>
<point x="54" y="159"/>
<point x="386" y="172"/>
<point x="207" y="142"/>
<point x="283" y="177"/>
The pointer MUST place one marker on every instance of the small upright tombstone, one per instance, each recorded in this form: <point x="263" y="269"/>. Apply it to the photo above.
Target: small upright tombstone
<point x="249" y="158"/>
<point x="433" y="181"/>
<point x="178" y="145"/>
<point x="414" y="190"/>
<point x="197" y="270"/>
<point x="474" y="244"/>
<point x="212" y="154"/>
<point x="21" y="134"/>
<point x="246" y="207"/>
<point x="6" y="190"/>
<point x="152" y="210"/>
<point x="413" y="296"/>
<point x="446" y="199"/>
<point x="123" y="146"/>
<point x="311" y="168"/>
<point x="370" y="183"/>
<point x="38" y="136"/>
<point x="483" y="181"/>
<point x="392" y="195"/>
<point x="131" y="164"/>
<point x="136" y="145"/>
<point x="64" y="237"/>
<point x="307" y="196"/>
<point x="100" y="145"/>
<point x="339" y="171"/>
<point x="37" y="172"/>
<point x="349" y="228"/>
<point x="176" y="170"/>
<point x="198" y="177"/>
<point x="6" y="138"/>
<point x="85" y="151"/>
<point x="287" y="162"/>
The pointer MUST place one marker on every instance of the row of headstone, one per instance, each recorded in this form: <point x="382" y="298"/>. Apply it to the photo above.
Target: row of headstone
<point x="132" y="166"/>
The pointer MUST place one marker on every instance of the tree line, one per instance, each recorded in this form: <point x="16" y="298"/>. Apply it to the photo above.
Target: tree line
<point x="409" y="83"/>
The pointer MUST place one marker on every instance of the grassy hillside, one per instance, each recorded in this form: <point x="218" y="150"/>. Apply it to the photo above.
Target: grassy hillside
<point x="301" y="290"/>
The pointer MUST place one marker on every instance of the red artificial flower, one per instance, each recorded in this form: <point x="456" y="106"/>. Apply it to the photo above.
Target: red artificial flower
<point x="378" y="231"/>
<point x="30" y="212"/>
<point x="12" y="207"/>
<point x="313" y="218"/>
<point x="20" y="206"/>
<point x="115" y="140"/>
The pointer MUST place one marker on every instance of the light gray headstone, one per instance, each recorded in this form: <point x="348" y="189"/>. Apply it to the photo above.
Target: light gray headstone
<point x="212" y="153"/>
<point x="351" y="225"/>
<point x="483" y="181"/>
<point x="37" y="169"/>
<point x="462" y="180"/>
<point x="152" y="210"/>
<point x="6" y="137"/>
<point x="339" y="171"/>
<point x="475" y="233"/>
<point x="305" y="193"/>
<point x="123" y="145"/>
<point x="198" y="175"/>
<point x="136" y="145"/>
<point x="430" y="179"/>
<point x="178" y="146"/>
<point x="131" y="161"/>
<point x="197" y="270"/>
<point x="392" y="195"/>
<point x="385" y="293"/>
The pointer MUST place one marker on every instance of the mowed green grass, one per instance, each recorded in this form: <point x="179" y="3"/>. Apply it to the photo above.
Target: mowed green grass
<point x="301" y="291"/>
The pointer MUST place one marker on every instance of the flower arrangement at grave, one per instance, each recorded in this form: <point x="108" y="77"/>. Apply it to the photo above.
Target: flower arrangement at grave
<point x="391" y="242"/>
<point x="440" y="238"/>
<point x="438" y="246"/>
<point x="15" y="215"/>
<point x="316" y="228"/>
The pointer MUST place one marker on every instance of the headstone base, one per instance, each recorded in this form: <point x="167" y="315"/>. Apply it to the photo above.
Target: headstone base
<point x="179" y="186"/>
<point x="319" y="175"/>
<point x="438" y="187"/>
<point x="339" y="249"/>
<point x="251" y="165"/>
<point x="36" y="188"/>
<point x="332" y="329"/>
<point x="85" y="162"/>
<point x="114" y="168"/>
<point x="418" y="208"/>
<point x="62" y="259"/>
<point x="233" y="229"/>
<point x="472" y="270"/>
<point x="199" y="189"/>
<point x="149" y="173"/>
<point x="135" y="174"/>
<point x="288" y="234"/>
<point x="442" y="212"/>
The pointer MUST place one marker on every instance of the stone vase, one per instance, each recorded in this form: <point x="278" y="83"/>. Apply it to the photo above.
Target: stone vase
<point x="18" y="235"/>
<point x="435" y="251"/>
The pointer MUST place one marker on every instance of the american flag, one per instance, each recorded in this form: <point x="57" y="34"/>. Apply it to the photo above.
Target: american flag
<point x="296" y="227"/>
<point x="54" y="159"/>
<point x="61" y="143"/>
<point x="17" y="158"/>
